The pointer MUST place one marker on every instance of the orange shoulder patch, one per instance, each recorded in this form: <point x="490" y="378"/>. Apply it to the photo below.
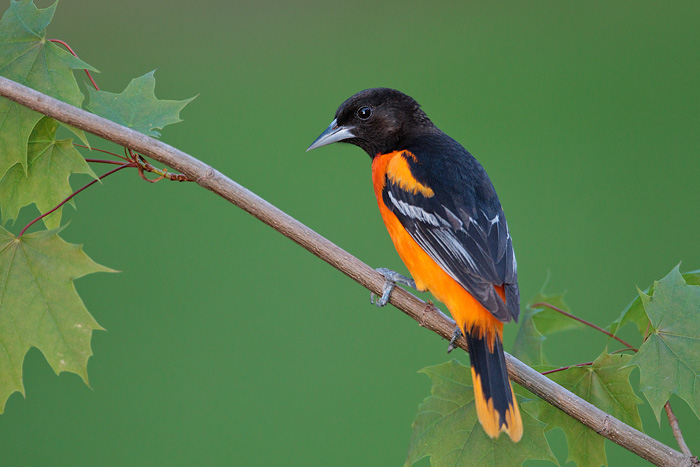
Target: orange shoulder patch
<point x="399" y="172"/>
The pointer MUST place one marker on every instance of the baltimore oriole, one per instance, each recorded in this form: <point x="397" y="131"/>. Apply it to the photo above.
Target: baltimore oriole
<point x="447" y="224"/>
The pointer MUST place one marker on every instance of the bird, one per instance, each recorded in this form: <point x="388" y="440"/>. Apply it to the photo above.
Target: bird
<point x="447" y="224"/>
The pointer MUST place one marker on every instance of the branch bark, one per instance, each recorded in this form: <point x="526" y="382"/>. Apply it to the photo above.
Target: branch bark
<point x="425" y="314"/>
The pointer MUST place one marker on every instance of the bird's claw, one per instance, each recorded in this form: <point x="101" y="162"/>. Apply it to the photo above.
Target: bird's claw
<point x="456" y="334"/>
<point x="391" y="278"/>
<point x="386" y="293"/>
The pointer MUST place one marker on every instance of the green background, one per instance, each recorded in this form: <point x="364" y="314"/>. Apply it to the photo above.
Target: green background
<point x="228" y="344"/>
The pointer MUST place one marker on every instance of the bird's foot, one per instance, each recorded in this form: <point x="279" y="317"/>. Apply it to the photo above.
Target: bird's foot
<point x="391" y="279"/>
<point x="456" y="334"/>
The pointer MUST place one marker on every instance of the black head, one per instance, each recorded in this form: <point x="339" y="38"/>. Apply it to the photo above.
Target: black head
<point x="377" y="120"/>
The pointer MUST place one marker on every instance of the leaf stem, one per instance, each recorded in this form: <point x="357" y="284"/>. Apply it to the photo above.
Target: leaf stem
<point x="673" y="421"/>
<point x="101" y="150"/>
<point x="104" y="161"/>
<point x="59" y="41"/>
<point x="576" y="318"/>
<point x="122" y="166"/>
<point x="584" y="364"/>
<point x="566" y="368"/>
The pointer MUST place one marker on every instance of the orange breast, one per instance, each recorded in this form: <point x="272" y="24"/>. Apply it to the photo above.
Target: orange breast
<point x="465" y="309"/>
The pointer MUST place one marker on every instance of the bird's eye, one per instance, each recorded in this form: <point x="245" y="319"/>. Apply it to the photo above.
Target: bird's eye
<point x="364" y="113"/>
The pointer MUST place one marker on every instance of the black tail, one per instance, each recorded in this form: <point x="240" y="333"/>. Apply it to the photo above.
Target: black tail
<point x="495" y="402"/>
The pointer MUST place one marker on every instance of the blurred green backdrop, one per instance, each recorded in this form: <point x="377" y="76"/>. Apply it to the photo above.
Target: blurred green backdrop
<point x="228" y="344"/>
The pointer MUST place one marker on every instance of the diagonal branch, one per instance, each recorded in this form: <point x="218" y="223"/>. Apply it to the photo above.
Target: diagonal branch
<point x="426" y="314"/>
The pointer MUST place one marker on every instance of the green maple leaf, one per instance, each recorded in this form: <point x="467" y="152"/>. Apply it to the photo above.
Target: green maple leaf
<point x="446" y="427"/>
<point x="28" y="58"/>
<point x="39" y="306"/>
<point x="137" y="107"/>
<point x="669" y="360"/>
<point x="604" y="384"/>
<point x="536" y="323"/>
<point x="49" y="165"/>
<point x="634" y="313"/>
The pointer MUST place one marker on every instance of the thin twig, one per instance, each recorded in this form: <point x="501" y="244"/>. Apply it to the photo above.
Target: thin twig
<point x="673" y="421"/>
<point x="576" y="318"/>
<point x="605" y="424"/>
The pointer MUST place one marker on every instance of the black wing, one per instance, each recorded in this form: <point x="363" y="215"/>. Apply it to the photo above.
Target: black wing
<point x="464" y="232"/>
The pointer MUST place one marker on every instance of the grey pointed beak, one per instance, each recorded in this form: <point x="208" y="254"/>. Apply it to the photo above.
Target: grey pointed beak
<point x="333" y="134"/>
